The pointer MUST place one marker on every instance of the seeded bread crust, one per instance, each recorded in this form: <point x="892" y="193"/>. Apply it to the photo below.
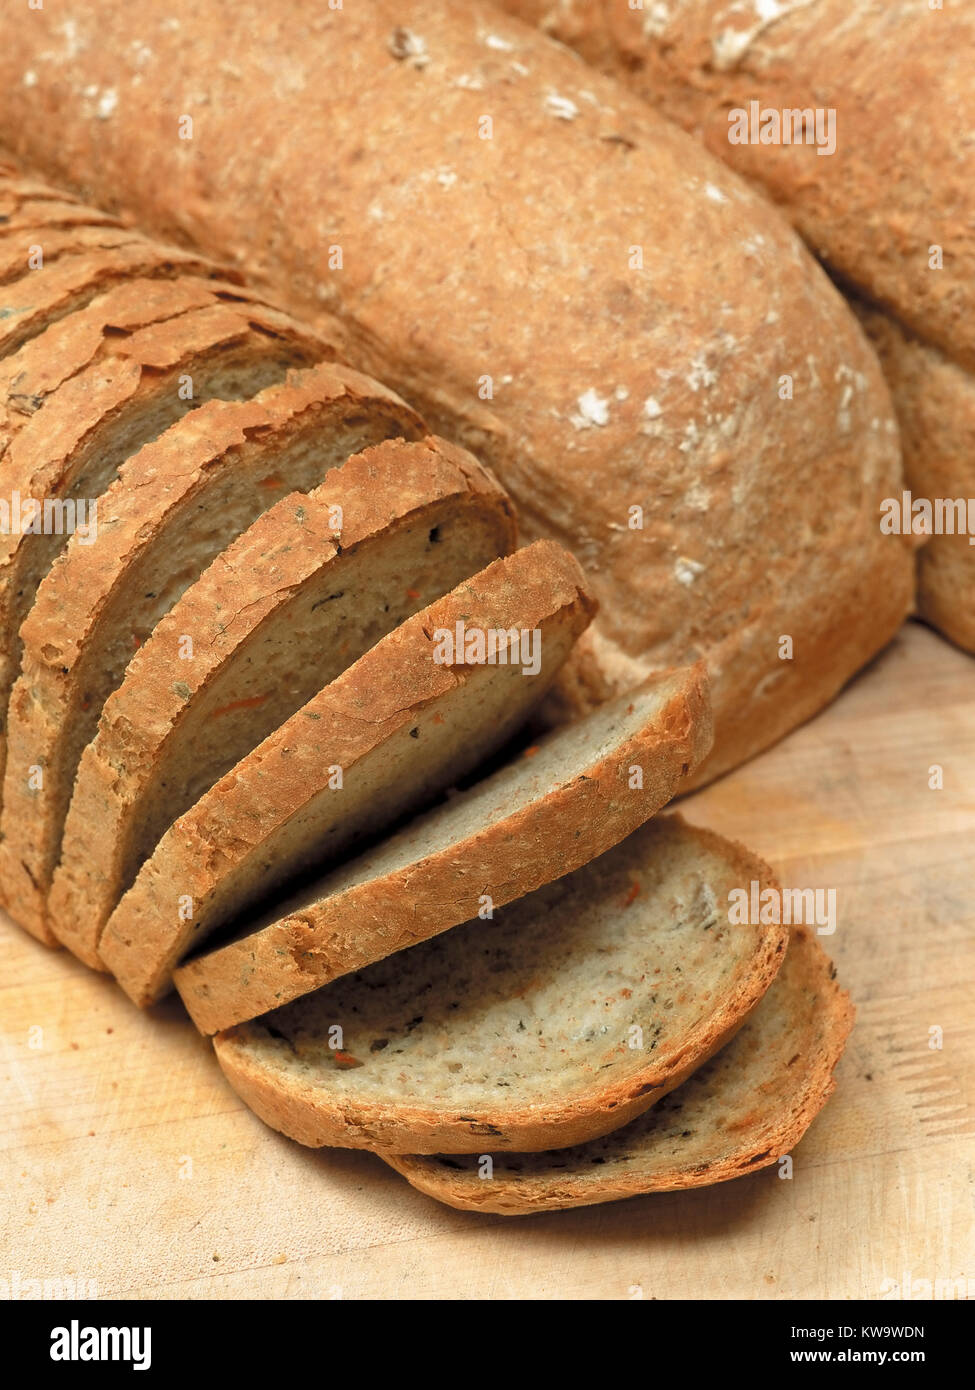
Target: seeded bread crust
<point x="98" y="416"/>
<point x="384" y="723"/>
<point x="174" y="506"/>
<point x="289" y="551"/>
<point x="530" y="808"/>
<point x="433" y="1060"/>
<point x="655" y="388"/>
<point x="742" y="1111"/>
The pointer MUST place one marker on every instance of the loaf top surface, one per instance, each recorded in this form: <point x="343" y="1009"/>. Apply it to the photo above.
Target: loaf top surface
<point x="897" y="76"/>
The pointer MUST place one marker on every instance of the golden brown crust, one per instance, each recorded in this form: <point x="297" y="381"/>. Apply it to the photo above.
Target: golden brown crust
<point x="517" y="853"/>
<point x="315" y="1115"/>
<point x="351" y="721"/>
<point x="653" y="387"/>
<point x="751" y="1131"/>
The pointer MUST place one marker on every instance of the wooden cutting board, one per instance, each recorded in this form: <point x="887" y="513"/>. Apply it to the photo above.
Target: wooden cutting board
<point x="129" y="1163"/>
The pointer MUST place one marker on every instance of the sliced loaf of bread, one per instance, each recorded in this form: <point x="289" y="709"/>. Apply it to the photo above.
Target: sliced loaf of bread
<point x="312" y="585"/>
<point x="743" y="1110"/>
<point x="574" y="1011"/>
<point x="560" y="804"/>
<point x="415" y="713"/>
<point x="174" y="506"/>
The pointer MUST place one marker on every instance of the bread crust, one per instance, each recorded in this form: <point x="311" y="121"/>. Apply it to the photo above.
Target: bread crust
<point x="653" y="388"/>
<point x="379" y="491"/>
<point x="514" y="855"/>
<point x="935" y="400"/>
<point x="316" y="1116"/>
<point x="774" y="1117"/>
<point x="354" y="718"/>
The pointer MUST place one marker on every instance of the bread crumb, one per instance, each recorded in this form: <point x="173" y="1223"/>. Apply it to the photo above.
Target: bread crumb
<point x="30" y="78"/>
<point x="651" y="408"/>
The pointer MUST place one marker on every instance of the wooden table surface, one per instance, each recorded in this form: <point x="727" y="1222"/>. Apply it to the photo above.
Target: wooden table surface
<point x="128" y="1162"/>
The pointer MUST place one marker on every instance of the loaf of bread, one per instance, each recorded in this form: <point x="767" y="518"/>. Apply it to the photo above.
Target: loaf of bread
<point x="882" y="189"/>
<point x="657" y="370"/>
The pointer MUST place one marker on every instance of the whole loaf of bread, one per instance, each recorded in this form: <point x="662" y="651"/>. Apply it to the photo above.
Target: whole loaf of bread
<point x="881" y="184"/>
<point x="642" y="349"/>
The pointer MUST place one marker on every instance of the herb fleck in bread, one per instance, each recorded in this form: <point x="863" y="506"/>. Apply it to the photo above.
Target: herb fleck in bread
<point x="284" y="610"/>
<point x="174" y="506"/>
<point x="400" y="726"/>
<point x="741" y="1111"/>
<point x="561" y="803"/>
<point x="572" y="1012"/>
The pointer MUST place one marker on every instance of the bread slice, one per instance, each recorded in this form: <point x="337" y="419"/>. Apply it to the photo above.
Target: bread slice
<point x="72" y="448"/>
<point x="393" y="731"/>
<point x="173" y="508"/>
<point x="44" y="296"/>
<point x="565" y="801"/>
<point x="288" y="607"/>
<point x="56" y="243"/>
<point x="743" y="1110"/>
<point x="574" y="1011"/>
